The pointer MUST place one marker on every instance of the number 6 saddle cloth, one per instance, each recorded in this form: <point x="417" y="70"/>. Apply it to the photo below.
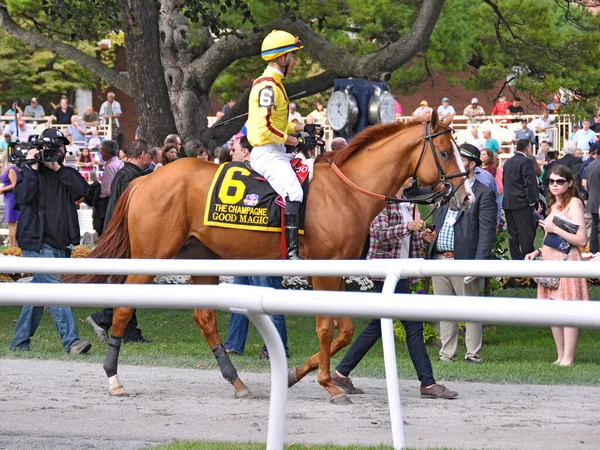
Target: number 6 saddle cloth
<point x="240" y="198"/>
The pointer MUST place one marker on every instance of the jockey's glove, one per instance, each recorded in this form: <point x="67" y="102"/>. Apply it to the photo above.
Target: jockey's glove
<point x="306" y="143"/>
<point x="312" y="129"/>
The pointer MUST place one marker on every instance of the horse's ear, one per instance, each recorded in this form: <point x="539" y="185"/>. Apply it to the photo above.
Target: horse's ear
<point x="435" y="119"/>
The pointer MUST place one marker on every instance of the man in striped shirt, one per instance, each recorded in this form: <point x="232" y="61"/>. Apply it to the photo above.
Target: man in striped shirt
<point x="397" y="232"/>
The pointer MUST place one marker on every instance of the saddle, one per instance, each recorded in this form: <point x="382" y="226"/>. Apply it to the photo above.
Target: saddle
<point x="240" y="198"/>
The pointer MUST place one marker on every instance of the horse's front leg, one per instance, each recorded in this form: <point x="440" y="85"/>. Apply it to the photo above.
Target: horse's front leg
<point x="121" y="317"/>
<point x="207" y="321"/>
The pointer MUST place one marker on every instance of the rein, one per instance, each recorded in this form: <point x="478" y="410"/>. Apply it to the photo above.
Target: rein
<point x="437" y="199"/>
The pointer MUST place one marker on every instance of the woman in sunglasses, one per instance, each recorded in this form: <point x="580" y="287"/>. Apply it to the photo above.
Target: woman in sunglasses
<point x="564" y="200"/>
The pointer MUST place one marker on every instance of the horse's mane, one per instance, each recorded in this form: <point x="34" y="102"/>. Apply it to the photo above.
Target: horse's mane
<point x="367" y="136"/>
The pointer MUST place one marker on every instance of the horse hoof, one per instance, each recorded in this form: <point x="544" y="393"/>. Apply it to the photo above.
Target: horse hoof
<point x="341" y="399"/>
<point x="243" y="393"/>
<point x="117" y="391"/>
<point x="292" y="378"/>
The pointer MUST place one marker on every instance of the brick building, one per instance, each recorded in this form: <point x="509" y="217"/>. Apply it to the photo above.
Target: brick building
<point x="439" y="87"/>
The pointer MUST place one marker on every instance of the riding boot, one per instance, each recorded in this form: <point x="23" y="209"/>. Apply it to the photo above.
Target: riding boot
<point x="291" y="222"/>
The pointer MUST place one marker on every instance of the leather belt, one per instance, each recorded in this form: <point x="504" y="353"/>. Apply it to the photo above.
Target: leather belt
<point x="447" y="254"/>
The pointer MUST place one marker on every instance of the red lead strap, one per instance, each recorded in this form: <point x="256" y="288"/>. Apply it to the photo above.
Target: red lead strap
<point x="354" y="186"/>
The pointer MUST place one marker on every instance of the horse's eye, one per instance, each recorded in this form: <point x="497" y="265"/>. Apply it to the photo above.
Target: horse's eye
<point x="445" y="154"/>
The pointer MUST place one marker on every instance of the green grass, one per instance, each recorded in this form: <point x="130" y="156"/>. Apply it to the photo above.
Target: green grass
<point x="513" y="354"/>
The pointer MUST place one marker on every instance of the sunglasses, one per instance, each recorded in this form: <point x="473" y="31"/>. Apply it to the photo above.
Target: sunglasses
<point x="558" y="181"/>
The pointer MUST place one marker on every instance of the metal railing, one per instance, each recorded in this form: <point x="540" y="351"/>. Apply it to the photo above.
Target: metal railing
<point x="503" y="126"/>
<point x="258" y="302"/>
<point x="38" y="125"/>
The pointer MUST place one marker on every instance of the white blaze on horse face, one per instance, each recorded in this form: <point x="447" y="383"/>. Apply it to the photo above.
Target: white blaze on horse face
<point x="464" y="201"/>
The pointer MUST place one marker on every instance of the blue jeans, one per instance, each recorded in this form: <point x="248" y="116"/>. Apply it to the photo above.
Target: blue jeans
<point x="372" y="333"/>
<point x="238" y="325"/>
<point x="30" y="317"/>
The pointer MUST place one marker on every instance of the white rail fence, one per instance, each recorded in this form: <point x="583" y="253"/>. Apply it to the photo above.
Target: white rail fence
<point x="257" y="302"/>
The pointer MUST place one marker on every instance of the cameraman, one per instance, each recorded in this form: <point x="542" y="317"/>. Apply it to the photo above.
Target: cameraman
<point x="46" y="193"/>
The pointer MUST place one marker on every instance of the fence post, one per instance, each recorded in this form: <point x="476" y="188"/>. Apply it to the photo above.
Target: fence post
<point x="279" y="387"/>
<point x="391" y="370"/>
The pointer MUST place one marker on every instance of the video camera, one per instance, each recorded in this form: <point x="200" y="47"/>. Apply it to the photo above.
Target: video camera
<point x="48" y="144"/>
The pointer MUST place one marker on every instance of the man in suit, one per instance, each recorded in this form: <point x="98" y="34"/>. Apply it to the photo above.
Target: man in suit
<point x="591" y="183"/>
<point x="571" y="161"/>
<point x="521" y="196"/>
<point x="463" y="235"/>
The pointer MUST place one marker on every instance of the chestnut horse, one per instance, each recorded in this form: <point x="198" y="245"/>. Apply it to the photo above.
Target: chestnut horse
<point x="168" y="206"/>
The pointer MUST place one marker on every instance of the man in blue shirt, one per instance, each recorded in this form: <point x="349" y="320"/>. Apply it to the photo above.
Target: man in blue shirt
<point x="5" y="141"/>
<point x="585" y="136"/>
<point x="525" y="132"/>
<point x="446" y="111"/>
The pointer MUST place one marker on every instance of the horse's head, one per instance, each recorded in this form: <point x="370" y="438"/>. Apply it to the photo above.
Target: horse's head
<point x="439" y="165"/>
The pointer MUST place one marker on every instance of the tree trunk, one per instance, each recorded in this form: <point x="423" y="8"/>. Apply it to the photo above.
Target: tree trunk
<point x="189" y="102"/>
<point x="149" y="90"/>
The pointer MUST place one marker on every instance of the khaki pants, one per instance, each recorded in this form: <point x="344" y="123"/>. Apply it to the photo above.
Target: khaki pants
<point x="449" y="330"/>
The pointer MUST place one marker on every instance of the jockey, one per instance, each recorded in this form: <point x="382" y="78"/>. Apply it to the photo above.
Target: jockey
<point x="269" y="130"/>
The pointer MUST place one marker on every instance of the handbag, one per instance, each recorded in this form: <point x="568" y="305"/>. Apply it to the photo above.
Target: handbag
<point x="549" y="282"/>
<point x="554" y="241"/>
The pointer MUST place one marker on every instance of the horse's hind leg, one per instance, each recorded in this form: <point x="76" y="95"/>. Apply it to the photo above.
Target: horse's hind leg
<point x="327" y="346"/>
<point x="121" y="317"/>
<point x="207" y="321"/>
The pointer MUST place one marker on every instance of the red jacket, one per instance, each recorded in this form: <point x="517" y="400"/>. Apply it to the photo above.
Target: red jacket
<point x="500" y="109"/>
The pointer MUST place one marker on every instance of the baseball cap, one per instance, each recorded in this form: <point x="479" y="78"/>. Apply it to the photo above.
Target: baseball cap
<point x="53" y="133"/>
<point x="575" y="125"/>
<point x="445" y="99"/>
<point x="34" y="99"/>
<point x="21" y="123"/>
<point x="293" y="105"/>
<point x="524" y="119"/>
<point x="594" y="146"/>
<point x="474" y="100"/>
<point x="238" y="136"/>
<point x="424" y="103"/>
<point x="7" y="133"/>
<point x="501" y="95"/>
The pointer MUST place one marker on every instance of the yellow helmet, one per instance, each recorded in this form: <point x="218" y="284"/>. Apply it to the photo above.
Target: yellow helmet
<point x="279" y="43"/>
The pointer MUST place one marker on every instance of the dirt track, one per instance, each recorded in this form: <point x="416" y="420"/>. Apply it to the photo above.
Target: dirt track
<point x="63" y="405"/>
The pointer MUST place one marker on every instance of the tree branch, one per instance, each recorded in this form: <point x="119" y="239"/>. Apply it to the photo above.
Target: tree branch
<point x="394" y="56"/>
<point x="515" y="36"/>
<point x="309" y="86"/>
<point x="335" y="60"/>
<point x="227" y="50"/>
<point x="66" y="51"/>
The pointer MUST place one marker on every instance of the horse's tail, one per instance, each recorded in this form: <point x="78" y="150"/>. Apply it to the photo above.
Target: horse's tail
<point x="114" y="242"/>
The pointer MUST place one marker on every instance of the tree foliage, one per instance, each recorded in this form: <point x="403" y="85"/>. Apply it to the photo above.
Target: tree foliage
<point x="27" y="72"/>
<point x="538" y="46"/>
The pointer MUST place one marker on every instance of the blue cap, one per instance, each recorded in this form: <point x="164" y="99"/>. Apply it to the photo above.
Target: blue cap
<point x="445" y="99"/>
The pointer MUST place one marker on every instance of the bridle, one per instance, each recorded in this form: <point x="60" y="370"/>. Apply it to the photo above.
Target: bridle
<point x="439" y="198"/>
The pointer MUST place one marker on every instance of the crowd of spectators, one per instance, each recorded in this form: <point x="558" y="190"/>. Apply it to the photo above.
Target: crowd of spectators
<point x="82" y="131"/>
<point x="533" y="186"/>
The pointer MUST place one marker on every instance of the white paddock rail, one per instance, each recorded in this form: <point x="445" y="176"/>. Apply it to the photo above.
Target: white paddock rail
<point x="257" y="302"/>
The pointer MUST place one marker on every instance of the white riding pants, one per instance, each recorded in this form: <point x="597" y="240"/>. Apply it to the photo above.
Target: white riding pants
<point x="272" y="162"/>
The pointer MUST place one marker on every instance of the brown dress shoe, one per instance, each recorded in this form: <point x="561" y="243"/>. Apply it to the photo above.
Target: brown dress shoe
<point x="438" y="391"/>
<point x="345" y="384"/>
